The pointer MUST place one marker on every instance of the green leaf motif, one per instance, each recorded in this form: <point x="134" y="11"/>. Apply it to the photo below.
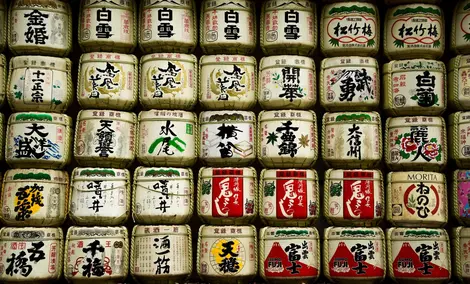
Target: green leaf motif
<point x="269" y="188"/>
<point x="411" y="202"/>
<point x="18" y="95"/>
<point x="206" y="187"/>
<point x="15" y="87"/>
<point x="466" y="37"/>
<point x="352" y="9"/>
<point x="399" y="43"/>
<point x="276" y="77"/>
<point x="467" y="6"/>
<point x="417" y="10"/>
<point x="370" y="42"/>
<point x="434" y="140"/>
<point x="56" y="102"/>
<point x="405" y="155"/>
<point x="334" y="42"/>
<point x="336" y="189"/>
<point x="272" y="138"/>
<point x="436" y="44"/>
<point x="398" y="141"/>
<point x="415" y="98"/>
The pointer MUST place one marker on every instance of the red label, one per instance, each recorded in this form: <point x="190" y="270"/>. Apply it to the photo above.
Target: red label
<point x="353" y="261"/>
<point x="419" y="261"/>
<point x="288" y="261"/>
<point x="358" y="199"/>
<point x="291" y="195"/>
<point x="227" y="194"/>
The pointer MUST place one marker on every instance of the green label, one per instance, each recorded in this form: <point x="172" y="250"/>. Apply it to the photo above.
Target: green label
<point x="189" y="128"/>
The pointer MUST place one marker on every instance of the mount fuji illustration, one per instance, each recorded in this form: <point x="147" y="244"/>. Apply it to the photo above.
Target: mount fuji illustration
<point x="277" y="262"/>
<point x="342" y="262"/>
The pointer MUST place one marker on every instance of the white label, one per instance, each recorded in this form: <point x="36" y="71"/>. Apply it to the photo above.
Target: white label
<point x="228" y="27"/>
<point x="167" y="25"/>
<point x="39" y="28"/>
<point x="98" y="198"/>
<point x="107" y="24"/>
<point x="295" y="27"/>
<point x="415" y="32"/>
<point x="161" y="255"/>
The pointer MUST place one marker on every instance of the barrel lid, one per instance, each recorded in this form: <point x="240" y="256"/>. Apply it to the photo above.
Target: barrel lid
<point x="416" y="176"/>
<point x="273" y="233"/>
<point x="227" y="116"/>
<point x="106" y="114"/>
<point x="143" y="174"/>
<point x="287" y="60"/>
<point x="167" y="57"/>
<point x="337" y="174"/>
<point x="414" y="9"/>
<point x="163" y="115"/>
<point x="108" y="174"/>
<point x="45" y="117"/>
<point x="406" y="121"/>
<point x="304" y="115"/>
<point x="462" y="175"/>
<point x="108" y="57"/>
<point x="41" y="62"/>
<point x="143" y="231"/>
<point x="227" y="59"/>
<point x="182" y="4"/>
<point x="351" y="117"/>
<point x="227" y="231"/>
<point x="413" y="65"/>
<point x="43" y="175"/>
<point x="349" y="61"/>
<point x="247" y="172"/>
<point x="209" y="5"/>
<point x="310" y="174"/>
<point x="342" y="233"/>
<point x="122" y="4"/>
<point x="57" y="6"/>
<point x="30" y="234"/>
<point x="298" y="5"/>
<point x="80" y="233"/>
<point x="409" y="234"/>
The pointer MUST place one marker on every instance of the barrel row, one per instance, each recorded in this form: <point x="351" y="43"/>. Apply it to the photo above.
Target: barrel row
<point x="165" y="253"/>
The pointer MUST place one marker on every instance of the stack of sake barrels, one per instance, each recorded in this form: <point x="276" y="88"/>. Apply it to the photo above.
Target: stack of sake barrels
<point x="414" y="98"/>
<point x="104" y="147"/>
<point x="35" y="191"/>
<point x="289" y="200"/>
<point x="227" y="186"/>
<point x="163" y="186"/>
<point x="459" y="145"/>
<point x="354" y="248"/>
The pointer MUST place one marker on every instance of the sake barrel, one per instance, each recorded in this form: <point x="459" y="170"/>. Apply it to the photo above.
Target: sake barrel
<point x="96" y="254"/>
<point x="227" y="196"/>
<point x="227" y="254"/>
<point x="167" y="138"/>
<point x="418" y="254"/>
<point x="40" y="83"/>
<point x="105" y="138"/>
<point x="459" y="82"/>
<point x="228" y="82"/>
<point x="34" y="197"/>
<point x="100" y="196"/>
<point x="415" y="86"/>
<point x="415" y="143"/>
<point x="459" y="197"/>
<point x="289" y="197"/>
<point x="288" y="27"/>
<point x="289" y="254"/>
<point x="108" y="81"/>
<point x="355" y="137"/>
<point x="38" y="139"/>
<point x="349" y="28"/>
<point x="168" y="81"/>
<point x="349" y="82"/>
<point x="228" y="27"/>
<point x="460" y="32"/>
<point x="287" y="139"/>
<point x="416" y="199"/>
<point x="108" y="26"/>
<point x="162" y="195"/>
<point x="42" y="27"/>
<point x="353" y="197"/>
<point x="31" y="255"/>
<point x="168" y="26"/>
<point x="169" y="249"/>
<point x="414" y="31"/>
<point x="460" y="243"/>
<point x="228" y="138"/>
<point x="287" y="82"/>
<point x="354" y="255"/>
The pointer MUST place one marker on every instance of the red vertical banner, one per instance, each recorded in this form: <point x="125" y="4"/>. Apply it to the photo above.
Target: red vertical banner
<point x="358" y="195"/>
<point x="227" y="193"/>
<point x="291" y="194"/>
